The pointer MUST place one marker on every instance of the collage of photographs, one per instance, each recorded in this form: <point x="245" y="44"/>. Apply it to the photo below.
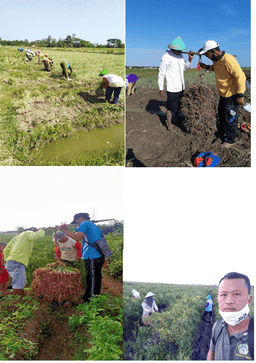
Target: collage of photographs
<point x="113" y="246"/>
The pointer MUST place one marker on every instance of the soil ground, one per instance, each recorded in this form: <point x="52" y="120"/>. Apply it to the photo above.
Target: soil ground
<point x="201" y="343"/>
<point x="150" y="144"/>
<point x="49" y="327"/>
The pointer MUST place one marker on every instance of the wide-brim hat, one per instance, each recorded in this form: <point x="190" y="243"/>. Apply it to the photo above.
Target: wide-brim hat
<point x="149" y="294"/>
<point x="78" y="215"/>
<point x="210" y="44"/>
<point x="177" y="44"/>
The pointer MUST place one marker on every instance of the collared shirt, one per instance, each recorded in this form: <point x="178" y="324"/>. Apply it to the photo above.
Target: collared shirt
<point x="229" y="76"/>
<point x="172" y="69"/>
<point x="233" y="347"/>
<point x="92" y="234"/>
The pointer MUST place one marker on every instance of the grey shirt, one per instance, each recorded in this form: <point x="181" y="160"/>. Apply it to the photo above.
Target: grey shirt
<point x="233" y="347"/>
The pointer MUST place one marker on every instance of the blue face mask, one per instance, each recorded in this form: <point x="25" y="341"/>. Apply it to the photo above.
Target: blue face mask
<point x="151" y="299"/>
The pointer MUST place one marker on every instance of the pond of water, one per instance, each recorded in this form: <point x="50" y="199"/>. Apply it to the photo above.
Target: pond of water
<point x="83" y="143"/>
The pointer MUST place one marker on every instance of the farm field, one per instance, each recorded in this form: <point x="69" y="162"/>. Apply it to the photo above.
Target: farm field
<point x="150" y="144"/>
<point x="39" y="107"/>
<point x="34" y="328"/>
<point x="178" y="331"/>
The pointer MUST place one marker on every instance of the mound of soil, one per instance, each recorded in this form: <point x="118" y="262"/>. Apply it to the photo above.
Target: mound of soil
<point x="150" y="144"/>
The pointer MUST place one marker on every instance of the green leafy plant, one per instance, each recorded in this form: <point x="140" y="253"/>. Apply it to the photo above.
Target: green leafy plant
<point x="102" y="319"/>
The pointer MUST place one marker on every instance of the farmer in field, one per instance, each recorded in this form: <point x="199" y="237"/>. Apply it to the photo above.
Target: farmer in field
<point x="93" y="259"/>
<point x="149" y="307"/>
<point x="233" y="335"/>
<point x="65" y="66"/>
<point x="17" y="254"/>
<point x="113" y="85"/>
<point x="230" y="81"/>
<point x="208" y="307"/>
<point x="29" y="54"/>
<point x="48" y="63"/>
<point x="68" y="250"/>
<point x="172" y="69"/>
<point x="135" y="294"/>
<point x="4" y="276"/>
<point x="130" y="81"/>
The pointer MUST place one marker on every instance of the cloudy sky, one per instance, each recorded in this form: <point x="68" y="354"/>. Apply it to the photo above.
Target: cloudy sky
<point x="48" y="196"/>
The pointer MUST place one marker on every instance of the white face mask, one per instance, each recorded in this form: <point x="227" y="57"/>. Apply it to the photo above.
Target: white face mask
<point x="235" y="317"/>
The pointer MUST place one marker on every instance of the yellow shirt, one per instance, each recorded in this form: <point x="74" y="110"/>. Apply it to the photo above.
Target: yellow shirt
<point x="20" y="247"/>
<point x="230" y="77"/>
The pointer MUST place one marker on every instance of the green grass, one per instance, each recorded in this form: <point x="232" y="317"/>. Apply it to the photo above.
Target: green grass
<point x="27" y="91"/>
<point x="148" y="78"/>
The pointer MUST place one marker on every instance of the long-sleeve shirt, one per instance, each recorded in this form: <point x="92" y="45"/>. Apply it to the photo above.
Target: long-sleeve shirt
<point x="20" y="247"/>
<point x="113" y="80"/>
<point x="172" y="69"/>
<point x="147" y="309"/>
<point x="229" y="76"/>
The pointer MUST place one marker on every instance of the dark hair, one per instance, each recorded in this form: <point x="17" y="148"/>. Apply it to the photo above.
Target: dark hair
<point x="236" y="275"/>
<point x="217" y="48"/>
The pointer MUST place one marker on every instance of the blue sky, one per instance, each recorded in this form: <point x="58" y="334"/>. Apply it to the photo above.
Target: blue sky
<point x="151" y="25"/>
<point x="94" y="21"/>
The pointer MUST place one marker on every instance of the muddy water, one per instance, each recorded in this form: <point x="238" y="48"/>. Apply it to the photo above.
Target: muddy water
<point x="83" y="143"/>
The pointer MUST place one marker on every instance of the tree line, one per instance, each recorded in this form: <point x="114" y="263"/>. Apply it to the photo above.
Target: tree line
<point x="68" y="42"/>
<point x="116" y="228"/>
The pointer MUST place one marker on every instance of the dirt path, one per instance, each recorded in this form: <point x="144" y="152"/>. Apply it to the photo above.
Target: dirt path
<point x="201" y="343"/>
<point x="150" y="144"/>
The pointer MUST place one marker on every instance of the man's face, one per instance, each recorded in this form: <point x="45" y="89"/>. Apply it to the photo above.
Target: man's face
<point x="79" y="220"/>
<point x="63" y="239"/>
<point x="177" y="52"/>
<point x="233" y="295"/>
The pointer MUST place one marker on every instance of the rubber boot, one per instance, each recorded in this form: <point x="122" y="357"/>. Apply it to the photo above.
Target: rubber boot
<point x="169" y="119"/>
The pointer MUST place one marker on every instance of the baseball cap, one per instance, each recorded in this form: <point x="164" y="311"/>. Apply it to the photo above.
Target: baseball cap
<point x="78" y="215"/>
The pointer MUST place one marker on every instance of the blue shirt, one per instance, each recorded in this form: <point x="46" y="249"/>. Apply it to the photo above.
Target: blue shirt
<point x="93" y="233"/>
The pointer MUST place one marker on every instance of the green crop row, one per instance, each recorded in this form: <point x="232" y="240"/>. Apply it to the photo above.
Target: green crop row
<point x="43" y="254"/>
<point x="12" y="321"/>
<point x="102" y="321"/>
<point x="176" y="325"/>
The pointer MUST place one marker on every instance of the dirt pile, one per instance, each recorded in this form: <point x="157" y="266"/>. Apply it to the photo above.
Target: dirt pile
<point x="198" y="106"/>
<point x="57" y="282"/>
<point x="150" y="144"/>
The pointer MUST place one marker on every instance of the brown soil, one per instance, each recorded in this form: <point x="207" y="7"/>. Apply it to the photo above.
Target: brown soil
<point x="49" y="327"/>
<point x="149" y="143"/>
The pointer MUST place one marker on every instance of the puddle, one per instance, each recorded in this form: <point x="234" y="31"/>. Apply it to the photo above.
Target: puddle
<point x="83" y="143"/>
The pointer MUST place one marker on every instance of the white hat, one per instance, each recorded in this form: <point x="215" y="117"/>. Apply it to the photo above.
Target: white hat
<point x="210" y="44"/>
<point x="149" y="294"/>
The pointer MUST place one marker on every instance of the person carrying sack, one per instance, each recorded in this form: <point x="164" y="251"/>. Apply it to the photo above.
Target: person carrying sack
<point x="93" y="257"/>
